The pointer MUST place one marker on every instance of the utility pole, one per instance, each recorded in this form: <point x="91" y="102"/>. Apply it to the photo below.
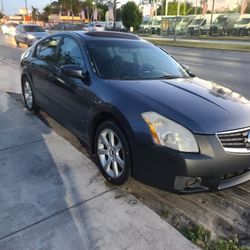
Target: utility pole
<point x="26" y="7"/>
<point x="2" y="8"/>
<point x="196" y="3"/>
<point x="178" y="7"/>
<point x="211" y="20"/>
<point x="166" y="8"/>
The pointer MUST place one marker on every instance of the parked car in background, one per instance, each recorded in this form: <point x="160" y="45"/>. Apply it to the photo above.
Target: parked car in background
<point x="96" y="26"/>
<point x="9" y="29"/>
<point x="143" y="26"/>
<point x="242" y="26"/>
<point x="151" y="26"/>
<point x="29" y="33"/>
<point x="201" y="24"/>
<point x="140" y="111"/>
<point x="224" y="24"/>
<point x="117" y="27"/>
<point x="154" y="25"/>
<point x="182" y="27"/>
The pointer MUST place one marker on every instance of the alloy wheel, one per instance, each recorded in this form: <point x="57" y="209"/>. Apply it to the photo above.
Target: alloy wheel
<point x="111" y="153"/>
<point x="28" y="95"/>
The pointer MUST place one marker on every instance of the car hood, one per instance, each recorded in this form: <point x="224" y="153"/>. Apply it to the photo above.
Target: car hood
<point x="38" y="34"/>
<point x="202" y="106"/>
<point x="194" y="26"/>
<point x="241" y="25"/>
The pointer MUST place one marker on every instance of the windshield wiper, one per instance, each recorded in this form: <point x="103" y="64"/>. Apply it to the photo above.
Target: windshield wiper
<point x="128" y="78"/>
<point x="170" y="77"/>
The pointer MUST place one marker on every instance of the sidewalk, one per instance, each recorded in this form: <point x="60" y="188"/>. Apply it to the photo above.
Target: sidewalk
<point x="53" y="197"/>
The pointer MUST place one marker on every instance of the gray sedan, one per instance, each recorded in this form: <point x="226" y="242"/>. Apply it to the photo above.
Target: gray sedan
<point x="29" y="33"/>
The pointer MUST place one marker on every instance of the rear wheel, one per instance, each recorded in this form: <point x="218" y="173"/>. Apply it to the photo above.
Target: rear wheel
<point x="113" y="153"/>
<point x="28" y="95"/>
<point x="17" y="43"/>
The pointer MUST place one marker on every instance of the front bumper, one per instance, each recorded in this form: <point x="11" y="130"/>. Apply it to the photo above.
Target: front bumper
<point x="169" y="170"/>
<point x="30" y="41"/>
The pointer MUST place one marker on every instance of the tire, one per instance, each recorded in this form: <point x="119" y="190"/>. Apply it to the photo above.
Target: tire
<point x="113" y="153"/>
<point x="17" y="43"/>
<point x="28" y="96"/>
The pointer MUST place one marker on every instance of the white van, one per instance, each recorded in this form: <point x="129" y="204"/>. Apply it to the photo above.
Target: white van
<point x="224" y="24"/>
<point x="182" y="26"/>
<point x="242" y="26"/>
<point x="201" y="24"/>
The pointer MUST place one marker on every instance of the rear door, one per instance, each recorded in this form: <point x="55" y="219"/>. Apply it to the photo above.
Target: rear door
<point x="72" y="95"/>
<point x="42" y="65"/>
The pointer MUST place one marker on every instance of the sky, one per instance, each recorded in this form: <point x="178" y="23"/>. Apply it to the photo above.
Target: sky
<point x="12" y="6"/>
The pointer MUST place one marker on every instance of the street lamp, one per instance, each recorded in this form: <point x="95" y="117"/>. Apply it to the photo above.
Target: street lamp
<point x="94" y="4"/>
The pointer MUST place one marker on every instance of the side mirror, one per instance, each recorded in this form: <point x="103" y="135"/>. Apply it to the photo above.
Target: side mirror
<point x="75" y="71"/>
<point x="187" y="68"/>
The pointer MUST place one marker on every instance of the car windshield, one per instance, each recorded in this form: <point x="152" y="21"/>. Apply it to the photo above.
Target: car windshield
<point x="33" y="28"/>
<point x="184" y="20"/>
<point x="130" y="60"/>
<point x="244" y="21"/>
<point x="197" y="21"/>
<point x="220" y="20"/>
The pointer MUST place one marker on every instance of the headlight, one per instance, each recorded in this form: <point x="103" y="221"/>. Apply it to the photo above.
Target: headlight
<point x="170" y="134"/>
<point x="4" y="28"/>
<point x="31" y="37"/>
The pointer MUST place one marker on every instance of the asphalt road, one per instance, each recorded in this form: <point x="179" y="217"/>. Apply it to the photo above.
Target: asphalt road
<point x="229" y="68"/>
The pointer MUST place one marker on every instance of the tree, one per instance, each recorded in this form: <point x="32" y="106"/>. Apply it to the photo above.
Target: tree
<point x="247" y="11"/>
<point x="185" y="8"/>
<point x="34" y="13"/>
<point x="75" y="7"/>
<point x="131" y="15"/>
<point x="118" y="14"/>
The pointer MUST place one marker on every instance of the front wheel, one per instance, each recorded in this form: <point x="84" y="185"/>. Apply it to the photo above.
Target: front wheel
<point x="28" y="95"/>
<point x="113" y="153"/>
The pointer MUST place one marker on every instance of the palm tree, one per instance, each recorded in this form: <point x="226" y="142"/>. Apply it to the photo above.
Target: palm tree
<point x="35" y="13"/>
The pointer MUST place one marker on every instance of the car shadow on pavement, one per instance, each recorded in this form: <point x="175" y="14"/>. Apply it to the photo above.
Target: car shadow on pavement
<point x="44" y="186"/>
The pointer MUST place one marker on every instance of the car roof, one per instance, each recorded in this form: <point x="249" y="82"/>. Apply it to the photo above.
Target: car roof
<point x="99" y="35"/>
<point x="29" y="25"/>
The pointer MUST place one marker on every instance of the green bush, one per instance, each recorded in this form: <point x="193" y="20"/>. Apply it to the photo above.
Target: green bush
<point x="131" y="15"/>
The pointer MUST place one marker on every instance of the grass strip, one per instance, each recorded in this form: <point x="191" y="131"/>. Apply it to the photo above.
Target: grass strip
<point x="220" y="46"/>
<point x="201" y="237"/>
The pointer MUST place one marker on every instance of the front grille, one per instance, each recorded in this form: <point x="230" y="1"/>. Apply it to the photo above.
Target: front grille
<point x="236" y="141"/>
<point x="234" y="174"/>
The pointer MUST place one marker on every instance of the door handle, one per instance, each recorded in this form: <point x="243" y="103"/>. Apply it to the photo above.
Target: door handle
<point x="56" y="79"/>
<point x="32" y="64"/>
